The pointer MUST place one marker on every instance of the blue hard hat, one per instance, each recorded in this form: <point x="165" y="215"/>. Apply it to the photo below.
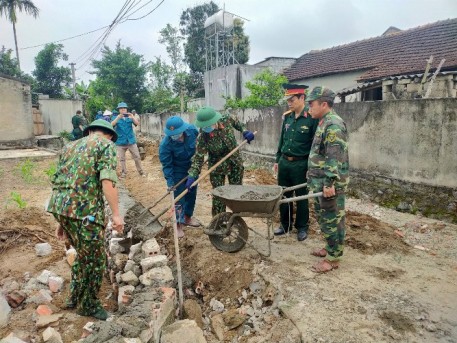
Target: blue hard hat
<point x="175" y="126"/>
<point x="122" y="105"/>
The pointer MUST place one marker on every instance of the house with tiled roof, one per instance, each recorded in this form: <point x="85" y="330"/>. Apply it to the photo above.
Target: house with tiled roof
<point x="390" y="66"/>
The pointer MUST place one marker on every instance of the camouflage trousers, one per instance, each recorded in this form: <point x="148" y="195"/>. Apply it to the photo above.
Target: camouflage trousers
<point x="87" y="270"/>
<point x="331" y="217"/>
<point x="235" y="177"/>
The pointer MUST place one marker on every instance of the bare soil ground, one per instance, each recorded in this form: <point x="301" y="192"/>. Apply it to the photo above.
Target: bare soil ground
<point x="397" y="282"/>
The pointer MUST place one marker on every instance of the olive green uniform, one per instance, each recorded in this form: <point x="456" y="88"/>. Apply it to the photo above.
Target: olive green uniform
<point x="292" y="157"/>
<point x="77" y="193"/>
<point x="217" y="144"/>
<point x="329" y="166"/>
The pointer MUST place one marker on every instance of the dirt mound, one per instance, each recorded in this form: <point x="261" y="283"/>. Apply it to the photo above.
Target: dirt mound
<point x="371" y="236"/>
<point x="261" y="176"/>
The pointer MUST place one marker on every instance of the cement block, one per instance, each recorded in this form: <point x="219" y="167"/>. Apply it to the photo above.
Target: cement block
<point x="122" y="290"/>
<point x="129" y="265"/>
<point x="115" y="247"/>
<point x="153" y="262"/>
<point x="183" y="331"/>
<point x="55" y="284"/>
<point x="51" y="335"/>
<point x="5" y="311"/>
<point x="135" y="252"/>
<point x="43" y="249"/>
<point x="159" y="276"/>
<point x="130" y="278"/>
<point x="150" y="248"/>
<point x="44" y="276"/>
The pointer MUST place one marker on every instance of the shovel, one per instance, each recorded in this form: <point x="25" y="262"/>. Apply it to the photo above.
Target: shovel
<point x="201" y="178"/>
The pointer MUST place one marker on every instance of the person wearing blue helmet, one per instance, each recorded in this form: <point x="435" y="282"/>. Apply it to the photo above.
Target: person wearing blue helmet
<point x="99" y="115"/>
<point x="175" y="154"/>
<point x="126" y="138"/>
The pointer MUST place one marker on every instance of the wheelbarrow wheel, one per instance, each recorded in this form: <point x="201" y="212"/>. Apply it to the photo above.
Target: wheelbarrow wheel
<point x="232" y="240"/>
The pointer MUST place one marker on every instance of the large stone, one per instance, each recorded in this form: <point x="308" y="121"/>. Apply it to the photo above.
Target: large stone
<point x="153" y="262"/>
<point x="130" y="278"/>
<point x="44" y="277"/>
<point x="51" y="335"/>
<point x="193" y="311"/>
<point x="218" y="326"/>
<point x="157" y="276"/>
<point x="124" y="290"/>
<point x="233" y="319"/>
<point x="55" y="283"/>
<point x="44" y="321"/>
<point x="135" y="253"/>
<point x="11" y="338"/>
<point x="15" y="298"/>
<point x="129" y="266"/>
<point x="41" y="297"/>
<point x="183" y="331"/>
<point x="115" y="247"/>
<point x="5" y="311"/>
<point x="120" y="261"/>
<point x="150" y="248"/>
<point x="43" y="249"/>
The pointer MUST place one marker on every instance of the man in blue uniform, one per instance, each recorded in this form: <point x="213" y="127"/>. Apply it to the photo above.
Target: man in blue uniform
<point x="175" y="154"/>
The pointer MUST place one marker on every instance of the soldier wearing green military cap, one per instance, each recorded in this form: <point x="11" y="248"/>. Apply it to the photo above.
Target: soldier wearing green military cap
<point x="217" y="139"/>
<point x="86" y="172"/>
<point x="328" y="169"/>
<point x="297" y="134"/>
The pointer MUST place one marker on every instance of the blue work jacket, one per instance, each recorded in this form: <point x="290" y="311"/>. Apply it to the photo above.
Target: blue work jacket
<point x="124" y="129"/>
<point x="176" y="156"/>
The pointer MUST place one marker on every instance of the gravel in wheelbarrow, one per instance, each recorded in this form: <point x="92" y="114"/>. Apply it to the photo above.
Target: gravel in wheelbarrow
<point x="249" y="198"/>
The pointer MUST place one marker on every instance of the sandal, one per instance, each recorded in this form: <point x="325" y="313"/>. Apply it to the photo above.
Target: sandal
<point x="319" y="252"/>
<point x="324" y="266"/>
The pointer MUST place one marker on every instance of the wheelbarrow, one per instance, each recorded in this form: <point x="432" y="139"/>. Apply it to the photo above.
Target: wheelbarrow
<point x="228" y="231"/>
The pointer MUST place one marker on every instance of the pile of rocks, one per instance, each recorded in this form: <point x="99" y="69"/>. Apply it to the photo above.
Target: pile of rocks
<point x="38" y="291"/>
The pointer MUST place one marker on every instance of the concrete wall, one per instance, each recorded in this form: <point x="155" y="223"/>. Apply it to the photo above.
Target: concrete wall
<point x="336" y="82"/>
<point x="57" y="114"/>
<point x="401" y="151"/>
<point x="15" y="113"/>
<point x="278" y="64"/>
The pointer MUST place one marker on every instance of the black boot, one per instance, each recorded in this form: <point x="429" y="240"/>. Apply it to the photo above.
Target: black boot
<point x="302" y="235"/>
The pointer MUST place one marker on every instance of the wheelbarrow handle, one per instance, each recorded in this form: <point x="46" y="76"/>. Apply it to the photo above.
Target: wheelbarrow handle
<point x="288" y="189"/>
<point x="302" y="197"/>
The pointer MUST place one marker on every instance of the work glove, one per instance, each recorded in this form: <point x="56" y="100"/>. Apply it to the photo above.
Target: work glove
<point x="189" y="182"/>
<point x="249" y="136"/>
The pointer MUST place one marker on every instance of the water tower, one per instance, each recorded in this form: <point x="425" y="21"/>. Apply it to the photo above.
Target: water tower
<point x="219" y="46"/>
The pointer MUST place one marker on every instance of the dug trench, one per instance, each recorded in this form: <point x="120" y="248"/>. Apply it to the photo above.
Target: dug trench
<point x="396" y="282"/>
<point x="385" y="289"/>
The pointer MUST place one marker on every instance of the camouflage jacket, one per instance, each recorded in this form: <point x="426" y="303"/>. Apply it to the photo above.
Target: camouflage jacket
<point x="328" y="162"/>
<point x="217" y="145"/>
<point x="76" y="185"/>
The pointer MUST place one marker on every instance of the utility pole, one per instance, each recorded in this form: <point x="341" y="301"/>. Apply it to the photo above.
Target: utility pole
<point x="74" y="79"/>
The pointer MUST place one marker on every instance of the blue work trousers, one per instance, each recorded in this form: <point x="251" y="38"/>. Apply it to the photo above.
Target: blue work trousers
<point x="185" y="206"/>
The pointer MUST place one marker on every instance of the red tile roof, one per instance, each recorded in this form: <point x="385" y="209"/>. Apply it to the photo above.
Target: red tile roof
<point x="398" y="53"/>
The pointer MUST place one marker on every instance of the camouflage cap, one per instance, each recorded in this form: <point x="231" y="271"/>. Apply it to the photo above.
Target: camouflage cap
<point x="321" y="93"/>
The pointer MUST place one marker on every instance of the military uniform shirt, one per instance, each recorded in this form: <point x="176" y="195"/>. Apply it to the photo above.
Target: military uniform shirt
<point x="296" y="135"/>
<point x="76" y="186"/>
<point x="328" y="162"/>
<point x="217" y="145"/>
<point x="125" y="133"/>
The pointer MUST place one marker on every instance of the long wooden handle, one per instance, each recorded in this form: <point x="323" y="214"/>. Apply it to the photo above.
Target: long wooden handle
<point x="205" y="174"/>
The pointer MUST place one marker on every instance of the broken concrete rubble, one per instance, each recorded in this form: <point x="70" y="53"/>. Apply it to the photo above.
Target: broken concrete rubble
<point x="153" y="262"/>
<point x="150" y="248"/>
<point x="183" y="331"/>
<point x="51" y="335"/>
<point x="43" y="249"/>
<point x="5" y="311"/>
<point x="46" y="320"/>
<point x="15" y="298"/>
<point x="160" y="276"/>
<point x="55" y="283"/>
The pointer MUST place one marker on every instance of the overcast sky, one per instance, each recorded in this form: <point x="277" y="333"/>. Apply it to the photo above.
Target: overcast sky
<point x="276" y="28"/>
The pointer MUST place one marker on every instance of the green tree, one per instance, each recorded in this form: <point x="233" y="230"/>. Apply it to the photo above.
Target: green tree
<point x="121" y="76"/>
<point x="160" y="74"/>
<point x="266" y="90"/>
<point x="9" y="9"/>
<point x="240" y="42"/>
<point x="50" y="77"/>
<point x="8" y="64"/>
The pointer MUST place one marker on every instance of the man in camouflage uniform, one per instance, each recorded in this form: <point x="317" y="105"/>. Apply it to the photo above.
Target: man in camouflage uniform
<point x="297" y="134"/>
<point x="79" y="123"/>
<point x="217" y="139"/>
<point x="328" y="172"/>
<point x="86" y="171"/>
